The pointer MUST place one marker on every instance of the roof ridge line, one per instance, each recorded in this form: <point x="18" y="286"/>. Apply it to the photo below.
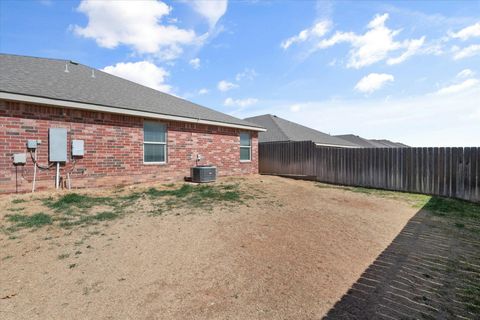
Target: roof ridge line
<point x="278" y="126"/>
<point x="33" y="57"/>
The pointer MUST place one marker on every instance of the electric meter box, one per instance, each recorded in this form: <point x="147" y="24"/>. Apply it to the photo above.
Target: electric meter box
<point x="77" y="148"/>
<point x="19" y="158"/>
<point x="57" y="144"/>
<point x="31" y="144"/>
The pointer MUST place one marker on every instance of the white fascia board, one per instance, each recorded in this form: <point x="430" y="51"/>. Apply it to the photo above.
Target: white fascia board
<point x="98" y="108"/>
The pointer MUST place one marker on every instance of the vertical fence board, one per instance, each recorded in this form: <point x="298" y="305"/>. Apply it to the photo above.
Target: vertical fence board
<point x="422" y="169"/>
<point x="454" y="166"/>
<point x="394" y="169"/>
<point x="466" y="173"/>
<point x="435" y="171"/>
<point x="477" y="175"/>
<point x="448" y="172"/>
<point x="460" y="175"/>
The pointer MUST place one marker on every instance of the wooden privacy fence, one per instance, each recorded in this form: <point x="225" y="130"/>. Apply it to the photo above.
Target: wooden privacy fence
<point x="449" y="172"/>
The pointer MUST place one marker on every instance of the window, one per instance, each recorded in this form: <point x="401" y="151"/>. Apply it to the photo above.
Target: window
<point x="245" y="147"/>
<point x="154" y="142"/>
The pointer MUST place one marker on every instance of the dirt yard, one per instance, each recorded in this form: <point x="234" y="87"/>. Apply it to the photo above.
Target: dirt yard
<point x="245" y="248"/>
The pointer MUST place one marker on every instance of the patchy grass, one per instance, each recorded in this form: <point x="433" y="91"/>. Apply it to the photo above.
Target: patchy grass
<point x="463" y="215"/>
<point x="461" y="219"/>
<point x="471" y="298"/>
<point x="131" y="197"/>
<point x="322" y="185"/>
<point x="104" y="216"/>
<point x="76" y="200"/>
<point x="89" y="219"/>
<point x="76" y="209"/>
<point x="23" y="221"/>
<point x="437" y="205"/>
<point x="191" y="196"/>
<point x="453" y="208"/>
<point x="15" y="201"/>
<point x="63" y="256"/>
<point x="416" y="200"/>
<point x="459" y="225"/>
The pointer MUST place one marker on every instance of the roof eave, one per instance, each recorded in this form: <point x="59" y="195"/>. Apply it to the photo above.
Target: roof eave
<point x="117" y="110"/>
<point x="335" y="145"/>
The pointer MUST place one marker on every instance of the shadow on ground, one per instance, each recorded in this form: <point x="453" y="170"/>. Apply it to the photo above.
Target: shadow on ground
<point x="431" y="270"/>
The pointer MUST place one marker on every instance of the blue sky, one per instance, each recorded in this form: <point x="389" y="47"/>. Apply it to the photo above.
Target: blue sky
<point x="406" y="71"/>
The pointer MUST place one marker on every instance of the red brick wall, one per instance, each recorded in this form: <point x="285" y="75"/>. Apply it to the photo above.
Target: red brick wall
<point x="113" y="148"/>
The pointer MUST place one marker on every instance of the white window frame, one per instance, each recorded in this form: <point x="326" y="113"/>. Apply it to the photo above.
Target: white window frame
<point x="249" y="147"/>
<point x="155" y="142"/>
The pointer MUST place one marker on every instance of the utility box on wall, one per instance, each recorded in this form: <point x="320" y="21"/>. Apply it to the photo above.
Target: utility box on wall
<point x="77" y="148"/>
<point x="31" y="144"/>
<point x="57" y="144"/>
<point x="19" y="159"/>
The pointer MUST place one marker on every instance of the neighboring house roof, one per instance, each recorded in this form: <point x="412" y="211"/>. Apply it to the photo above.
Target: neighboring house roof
<point x="371" y="143"/>
<point x="46" y="81"/>
<point x="279" y="129"/>
<point x="388" y="144"/>
<point x="402" y="145"/>
<point x="357" y="140"/>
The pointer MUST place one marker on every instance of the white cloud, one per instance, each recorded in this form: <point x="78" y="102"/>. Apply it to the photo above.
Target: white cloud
<point x="459" y="87"/>
<point x="242" y="103"/>
<point x="465" y="73"/>
<point x="203" y="91"/>
<point x="195" y="63"/>
<point x="295" y="107"/>
<point x="316" y="31"/>
<point x="373" y="82"/>
<point x="248" y="74"/>
<point x="427" y="120"/>
<point x="466" y="52"/>
<point x="374" y="45"/>
<point x="135" y="24"/>
<point x="413" y="46"/>
<point x="467" y="33"/>
<point x="142" y="72"/>
<point x="225" y="86"/>
<point x="210" y="10"/>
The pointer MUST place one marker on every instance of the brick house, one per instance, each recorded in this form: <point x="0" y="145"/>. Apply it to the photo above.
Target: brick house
<point x="130" y="133"/>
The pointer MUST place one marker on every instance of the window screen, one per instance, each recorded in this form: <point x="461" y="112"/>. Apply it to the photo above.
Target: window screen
<point x="245" y="147"/>
<point x="154" y="142"/>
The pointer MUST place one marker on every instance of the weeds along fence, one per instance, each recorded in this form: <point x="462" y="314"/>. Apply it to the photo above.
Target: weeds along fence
<point x="449" y="172"/>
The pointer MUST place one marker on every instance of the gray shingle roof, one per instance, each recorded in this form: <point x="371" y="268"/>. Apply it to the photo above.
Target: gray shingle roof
<point x="384" y="143"/>
<point x="357" y="140"/>
<point x="41" y="77"/>
<point x="371" y="143"/>
<point x="279" y="129"/>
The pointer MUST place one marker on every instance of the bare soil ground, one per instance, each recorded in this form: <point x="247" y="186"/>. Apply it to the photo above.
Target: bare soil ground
<point x="268" y="248"/>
